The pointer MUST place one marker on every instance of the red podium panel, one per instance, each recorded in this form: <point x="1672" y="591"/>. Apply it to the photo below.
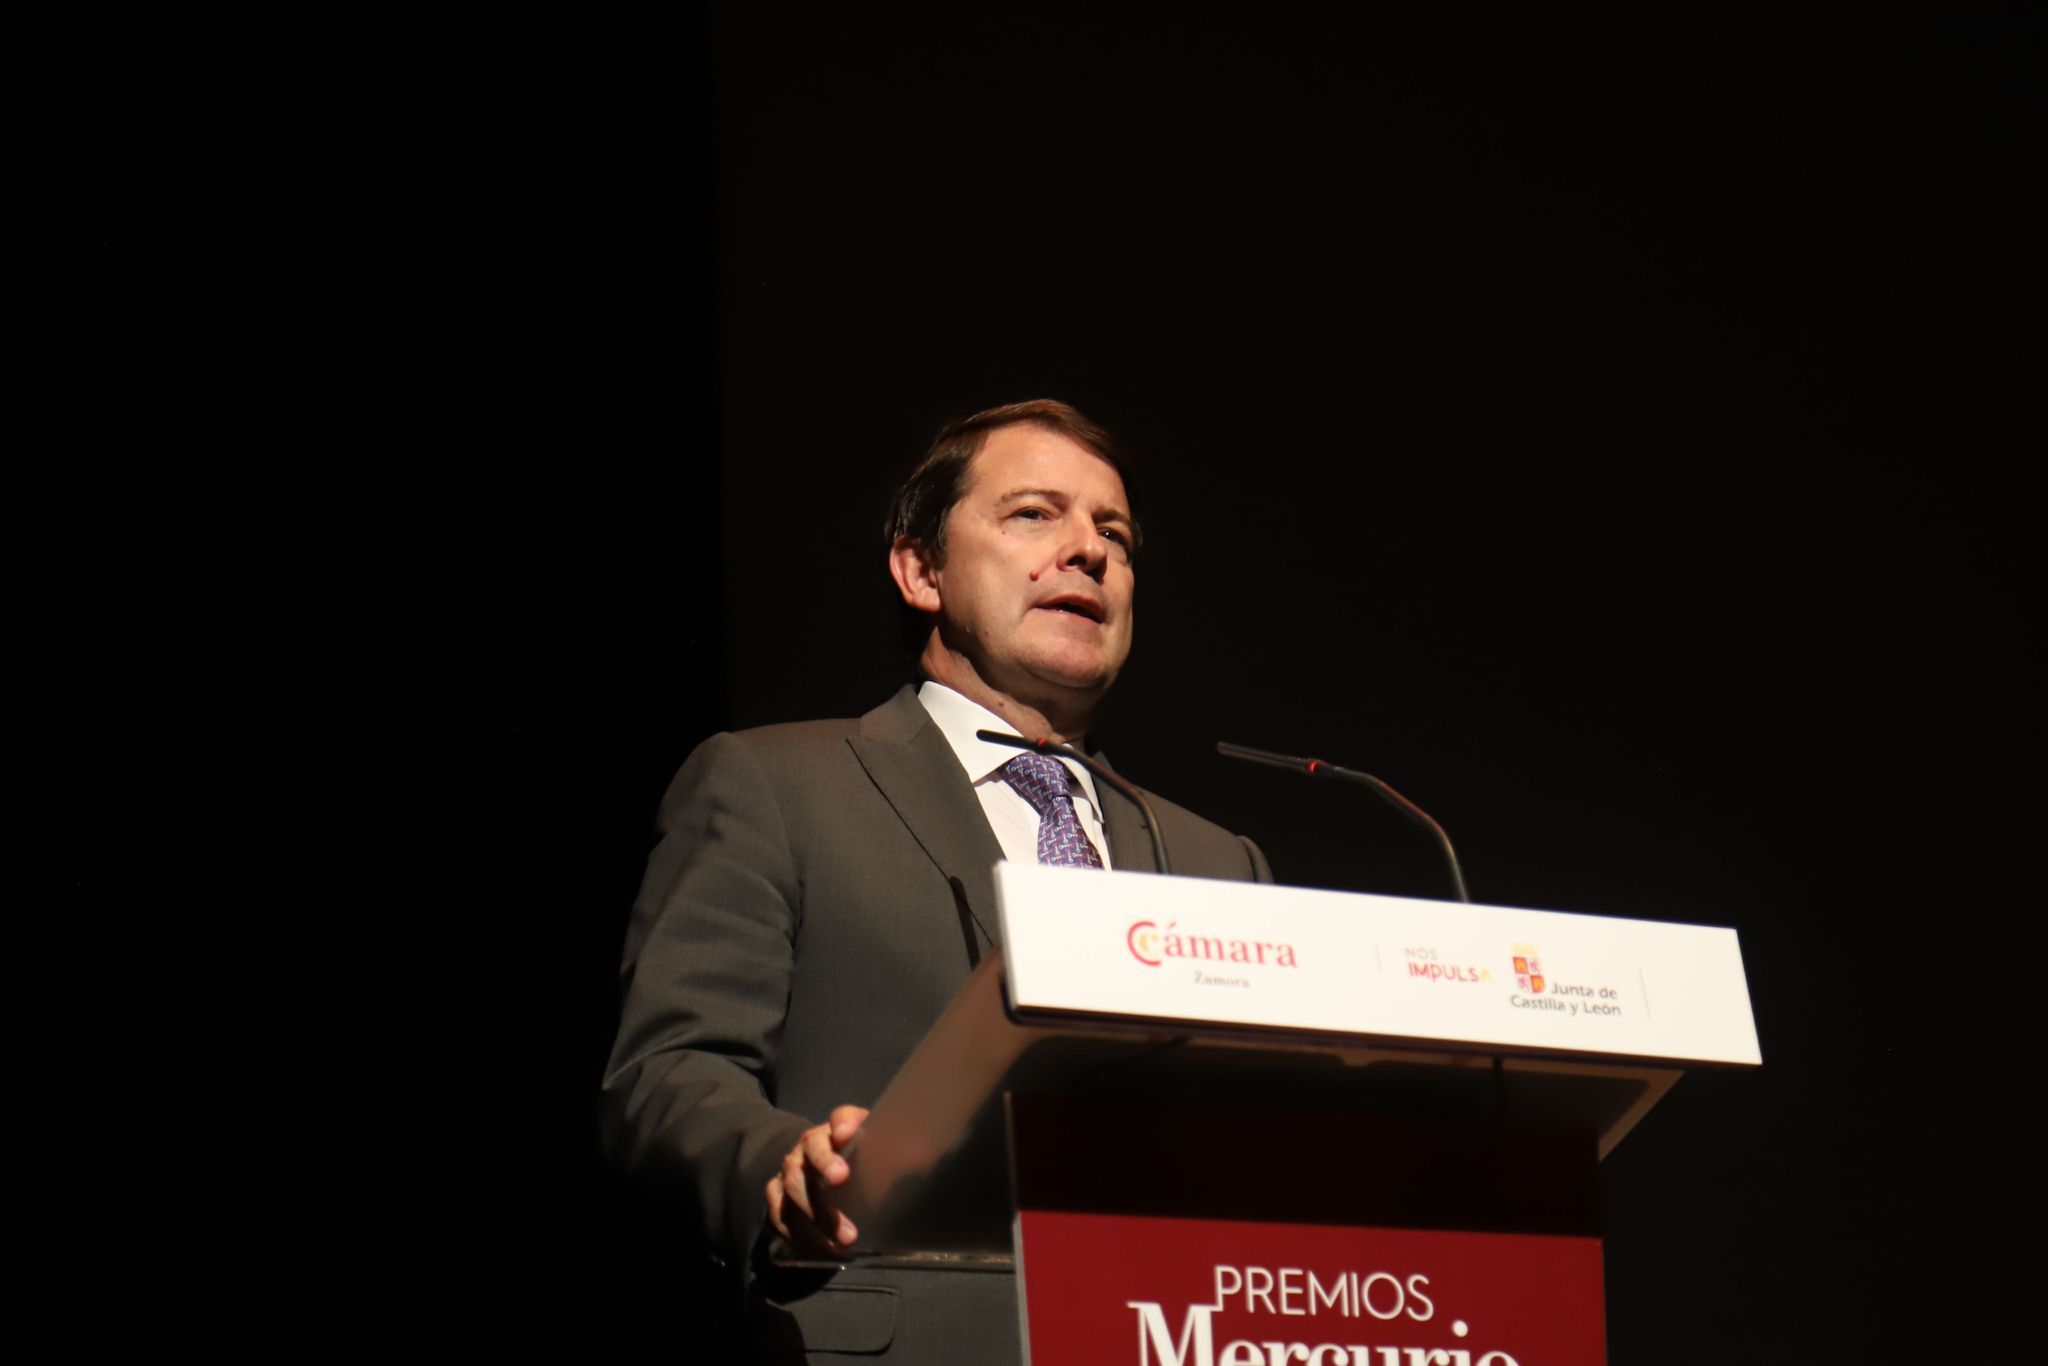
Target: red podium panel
<point x="1121" y="1290"/>
<point x="1169" y="1232"/>
<point x="1129" y="1291"/>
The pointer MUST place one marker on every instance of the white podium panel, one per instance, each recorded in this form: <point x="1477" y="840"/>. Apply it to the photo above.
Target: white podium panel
<point x="1145" y="948"/>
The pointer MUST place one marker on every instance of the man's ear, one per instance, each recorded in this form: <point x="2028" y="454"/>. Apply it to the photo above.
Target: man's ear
<point x="916" y="575"/>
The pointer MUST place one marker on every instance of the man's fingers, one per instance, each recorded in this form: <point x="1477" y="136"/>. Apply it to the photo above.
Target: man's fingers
<point x="806" y="1182"/>
<point x="845" y="1122"/>
<point x="795" y="1189"/>
<point x="807" y="1238"/>
<point x="808" y="1224"/>
<point x="824" y="1158"/>
<point x="788" y="1220"/>
<point x="799" y="1200"/>
<point x="807" y="1188"/>
<point x="815" y="1184"/>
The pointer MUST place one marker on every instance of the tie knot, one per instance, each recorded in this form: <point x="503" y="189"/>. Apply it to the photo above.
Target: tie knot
<point x="1041" y="780"/>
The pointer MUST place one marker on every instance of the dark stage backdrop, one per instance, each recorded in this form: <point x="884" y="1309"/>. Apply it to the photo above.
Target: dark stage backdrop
<point x="1609" y="431"/>
<point x="1600" y="430"/>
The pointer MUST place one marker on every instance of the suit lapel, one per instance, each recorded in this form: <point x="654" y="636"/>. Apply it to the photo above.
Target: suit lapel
<point x="1123" y="825"/>
<point x="915" y="769"/>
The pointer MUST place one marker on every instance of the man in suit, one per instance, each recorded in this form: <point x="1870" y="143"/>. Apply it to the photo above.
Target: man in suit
<point x="821" y="890"/>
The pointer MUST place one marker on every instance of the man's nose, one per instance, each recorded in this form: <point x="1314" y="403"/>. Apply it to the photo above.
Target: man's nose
<point x="1086" y="550"/>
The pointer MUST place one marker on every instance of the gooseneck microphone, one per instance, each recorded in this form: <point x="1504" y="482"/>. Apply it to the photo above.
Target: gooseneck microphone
<point x="1069" y="752"/>
<point x="1317" y="768"/>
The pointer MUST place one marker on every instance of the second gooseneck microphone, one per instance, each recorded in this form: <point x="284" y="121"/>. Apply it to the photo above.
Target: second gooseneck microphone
<point x="1317" y="768"/>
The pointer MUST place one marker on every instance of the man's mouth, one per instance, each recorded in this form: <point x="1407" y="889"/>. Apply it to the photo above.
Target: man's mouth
<point x="1080" y="607"/>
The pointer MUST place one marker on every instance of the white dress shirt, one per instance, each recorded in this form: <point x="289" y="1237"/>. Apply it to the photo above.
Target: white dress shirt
<point x="1014" y="820"/>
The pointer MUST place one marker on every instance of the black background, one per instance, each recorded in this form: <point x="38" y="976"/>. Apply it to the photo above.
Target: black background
<point x="1610" y="430"/>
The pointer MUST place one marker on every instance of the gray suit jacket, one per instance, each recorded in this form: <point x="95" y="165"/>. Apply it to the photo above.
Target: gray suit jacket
<point x="794" y="938"/>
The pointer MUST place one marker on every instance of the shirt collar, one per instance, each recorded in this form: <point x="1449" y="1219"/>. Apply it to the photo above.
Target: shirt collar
<point x="957" y="718"/>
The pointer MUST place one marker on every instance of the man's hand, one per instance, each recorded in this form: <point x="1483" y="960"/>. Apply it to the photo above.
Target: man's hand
<point x="799" y="1196"/>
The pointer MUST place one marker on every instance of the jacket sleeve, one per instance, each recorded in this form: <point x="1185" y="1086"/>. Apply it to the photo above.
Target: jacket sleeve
<point x="709" y="959"/>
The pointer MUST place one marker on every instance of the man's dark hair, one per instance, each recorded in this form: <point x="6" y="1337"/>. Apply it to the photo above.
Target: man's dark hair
<point x="928" y="495"/>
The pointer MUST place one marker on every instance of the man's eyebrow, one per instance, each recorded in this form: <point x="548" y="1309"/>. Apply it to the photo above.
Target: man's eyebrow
<point x="1059" y="496"/>
<point x="1027" y="492"/>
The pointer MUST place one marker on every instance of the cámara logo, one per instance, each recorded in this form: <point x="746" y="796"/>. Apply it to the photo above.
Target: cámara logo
<point x="1528" y="969"/>
<point x="1152" y="945"/>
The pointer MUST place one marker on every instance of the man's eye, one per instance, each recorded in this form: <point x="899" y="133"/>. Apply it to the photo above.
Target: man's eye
<point x="1116" y="534"/>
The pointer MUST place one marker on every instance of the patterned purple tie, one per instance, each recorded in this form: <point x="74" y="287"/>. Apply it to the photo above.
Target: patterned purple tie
<point x="1042" y="781"/>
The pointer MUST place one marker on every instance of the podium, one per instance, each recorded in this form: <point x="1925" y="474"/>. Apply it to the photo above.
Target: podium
<point x="1224" y="1124"/>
